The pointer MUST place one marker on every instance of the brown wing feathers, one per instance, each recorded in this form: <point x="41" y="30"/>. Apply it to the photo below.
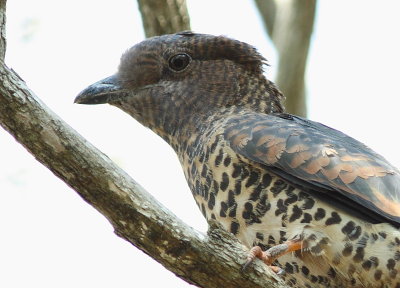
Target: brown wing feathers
<point x="318" y="157"/>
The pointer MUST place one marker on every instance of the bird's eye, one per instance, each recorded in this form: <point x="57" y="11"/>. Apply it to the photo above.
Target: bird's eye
<point x="179" y="62"/>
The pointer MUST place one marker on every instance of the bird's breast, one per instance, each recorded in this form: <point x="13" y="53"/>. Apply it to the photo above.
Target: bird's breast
<point x="262" y="209"/>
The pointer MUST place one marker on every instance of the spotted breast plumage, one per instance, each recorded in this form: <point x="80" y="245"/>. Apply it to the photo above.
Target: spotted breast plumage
<point x="305" y="198"/>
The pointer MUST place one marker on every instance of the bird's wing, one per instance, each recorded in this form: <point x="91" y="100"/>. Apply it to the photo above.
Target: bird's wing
<point x="320" y="159"/>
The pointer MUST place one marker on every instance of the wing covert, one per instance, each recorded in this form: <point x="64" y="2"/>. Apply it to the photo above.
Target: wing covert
<point x="312" y="155"/>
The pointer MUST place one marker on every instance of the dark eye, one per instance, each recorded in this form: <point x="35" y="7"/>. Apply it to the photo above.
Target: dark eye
<point x="179" y="62"/>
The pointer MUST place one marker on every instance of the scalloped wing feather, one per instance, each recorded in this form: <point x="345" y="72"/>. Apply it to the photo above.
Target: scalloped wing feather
<point x="312" y="155"/>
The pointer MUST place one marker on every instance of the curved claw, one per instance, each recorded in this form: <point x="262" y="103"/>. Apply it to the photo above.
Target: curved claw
<point x="255" y="252"/>
<point x="277" y="270"/>
<point x="246" y="264"/>
<point x="272" y="254"/>
<point x="280" y="271"/>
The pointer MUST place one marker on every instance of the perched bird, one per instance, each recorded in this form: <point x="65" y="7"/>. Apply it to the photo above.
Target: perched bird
<point x="310" y="200"/>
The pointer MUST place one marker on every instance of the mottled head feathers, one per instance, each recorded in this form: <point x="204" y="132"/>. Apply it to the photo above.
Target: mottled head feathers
<point x="191" y="75"/>
<point x="197" y="46"/>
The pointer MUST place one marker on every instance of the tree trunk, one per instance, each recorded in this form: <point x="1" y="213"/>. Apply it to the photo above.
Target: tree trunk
<point x="212" y="260"/>
<point x="290" y="24"/>
<point x="164" y="16"/>
<point x="2" y="29"/>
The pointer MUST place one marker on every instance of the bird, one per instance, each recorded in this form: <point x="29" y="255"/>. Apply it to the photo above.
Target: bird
<point x="317" y="206"/>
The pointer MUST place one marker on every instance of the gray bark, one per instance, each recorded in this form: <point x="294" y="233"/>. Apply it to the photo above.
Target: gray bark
<point x="212" y="260"/>
<point x="2" y="29"/>
<point x="164" y="16"/>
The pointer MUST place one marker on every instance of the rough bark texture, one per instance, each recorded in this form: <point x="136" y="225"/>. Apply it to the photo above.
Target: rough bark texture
<point x="290" y="24"/>
<point x="2" y="29"/>
<point x="212" y="260"/>
<point x="164" y="16"/>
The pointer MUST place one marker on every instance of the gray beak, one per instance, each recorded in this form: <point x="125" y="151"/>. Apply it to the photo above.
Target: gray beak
<point x="103" y="91"/>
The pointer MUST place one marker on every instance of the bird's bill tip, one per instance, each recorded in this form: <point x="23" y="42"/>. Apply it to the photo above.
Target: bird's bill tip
<point x="100" y="92"/>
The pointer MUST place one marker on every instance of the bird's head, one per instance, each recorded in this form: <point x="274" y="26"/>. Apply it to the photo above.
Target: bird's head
<point x="168" y="81"/>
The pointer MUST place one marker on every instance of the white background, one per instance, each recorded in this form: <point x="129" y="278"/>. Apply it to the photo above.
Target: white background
<point x="49" y="237"/>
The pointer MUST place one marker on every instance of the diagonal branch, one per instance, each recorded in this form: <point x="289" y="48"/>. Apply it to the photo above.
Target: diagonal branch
<point x="212" y="260"/>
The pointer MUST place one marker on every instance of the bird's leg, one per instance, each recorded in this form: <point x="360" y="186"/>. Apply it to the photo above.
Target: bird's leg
<point x="273" y="253"/>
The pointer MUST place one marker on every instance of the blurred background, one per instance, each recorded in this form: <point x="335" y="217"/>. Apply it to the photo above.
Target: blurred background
<point x="50" y="237"/>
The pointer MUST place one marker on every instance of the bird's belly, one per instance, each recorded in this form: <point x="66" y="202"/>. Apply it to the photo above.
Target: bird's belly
<point x="340" y="250"/>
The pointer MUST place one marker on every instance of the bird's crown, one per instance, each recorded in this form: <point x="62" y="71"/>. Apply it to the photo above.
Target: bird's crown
<point x="163" y="54"/>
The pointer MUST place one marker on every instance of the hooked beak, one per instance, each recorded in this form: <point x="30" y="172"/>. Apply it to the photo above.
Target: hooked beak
<point x="104" y="91"/>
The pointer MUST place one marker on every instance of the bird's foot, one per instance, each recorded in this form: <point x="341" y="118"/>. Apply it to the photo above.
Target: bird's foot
<point x="273" y="253"/>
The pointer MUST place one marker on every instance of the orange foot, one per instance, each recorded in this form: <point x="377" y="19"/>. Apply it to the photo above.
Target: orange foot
<point x="273" y="253"/>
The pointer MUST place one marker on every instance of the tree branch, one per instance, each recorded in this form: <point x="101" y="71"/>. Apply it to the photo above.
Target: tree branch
<point x="2" y="29"/>
<point x="164" y="17"/>
<point x="212" y="260"/>
<point x="267" y="10"/>
<point x="290" y="24"/>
